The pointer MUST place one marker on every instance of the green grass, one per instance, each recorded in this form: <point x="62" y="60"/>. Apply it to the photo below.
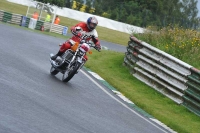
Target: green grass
<point x="104" y="33"/>
<point x="108" y="64"/>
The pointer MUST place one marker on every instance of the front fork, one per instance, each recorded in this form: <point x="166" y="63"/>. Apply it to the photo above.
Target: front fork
<point x="81" y="60"/>
<point x="72" y="61"/>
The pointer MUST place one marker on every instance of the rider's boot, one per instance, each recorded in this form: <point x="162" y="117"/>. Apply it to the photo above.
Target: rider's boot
<point x="56" y="55"/>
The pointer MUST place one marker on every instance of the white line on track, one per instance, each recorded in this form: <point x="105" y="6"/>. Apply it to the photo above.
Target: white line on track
<point x="103" y="89"/>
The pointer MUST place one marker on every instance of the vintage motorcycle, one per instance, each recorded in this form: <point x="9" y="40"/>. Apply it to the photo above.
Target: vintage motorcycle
<point x="72" y="60"/>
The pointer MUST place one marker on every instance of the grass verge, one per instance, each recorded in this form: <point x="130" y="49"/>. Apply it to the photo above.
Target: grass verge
<point x="104" y="33"/>
<point x="108" y="65"/>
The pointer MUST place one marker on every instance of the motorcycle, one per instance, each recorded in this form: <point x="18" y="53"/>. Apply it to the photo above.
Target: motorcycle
<point x="72" y="60"/>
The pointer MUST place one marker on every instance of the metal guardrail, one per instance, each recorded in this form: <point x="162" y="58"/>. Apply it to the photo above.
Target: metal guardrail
<point x="27" y="22"/>
<point x="51" y="27"/>
<point x="1" y="15"/>
<point x="16" y="19"/>
<point x="165" y="73"/>
<point x="7" y="17"/>
<point x="47" y="26"/>
<point x="10" y="18"/>
<point x="57" y="28"/>
<point x="192" y="94"/>
<point x="39" y="25"/>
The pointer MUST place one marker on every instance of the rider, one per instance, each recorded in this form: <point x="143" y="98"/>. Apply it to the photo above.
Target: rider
<point x="81" y="31"/>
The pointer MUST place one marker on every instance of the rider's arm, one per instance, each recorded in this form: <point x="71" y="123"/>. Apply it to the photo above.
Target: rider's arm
<point x="76" y="29"/>
<point x="95" y="38"/>
<point x="96" y="42"/>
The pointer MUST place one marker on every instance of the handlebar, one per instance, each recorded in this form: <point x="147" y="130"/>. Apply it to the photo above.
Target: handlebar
<point x="90" y="44"/>
<point x="93" y="46"/>
<point x="97" y="49"/>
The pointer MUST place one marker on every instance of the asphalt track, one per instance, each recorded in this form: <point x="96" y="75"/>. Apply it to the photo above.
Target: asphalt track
<point x="33" y="101"/>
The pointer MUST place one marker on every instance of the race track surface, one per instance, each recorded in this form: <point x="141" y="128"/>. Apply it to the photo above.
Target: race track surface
<point x="33" y="101"/>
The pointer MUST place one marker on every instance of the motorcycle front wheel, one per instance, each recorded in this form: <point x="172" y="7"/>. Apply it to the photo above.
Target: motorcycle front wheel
<point x="53" y="71"/>
<point x="69" y="74"/>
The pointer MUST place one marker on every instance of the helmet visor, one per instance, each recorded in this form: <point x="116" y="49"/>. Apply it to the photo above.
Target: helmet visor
<point x="92" y="25"/>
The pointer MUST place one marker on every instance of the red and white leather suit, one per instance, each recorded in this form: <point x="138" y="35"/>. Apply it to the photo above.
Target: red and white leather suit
<point x="80" y="31"/>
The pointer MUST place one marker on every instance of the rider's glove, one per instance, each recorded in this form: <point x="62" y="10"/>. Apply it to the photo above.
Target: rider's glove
<point x="97" y="45"/>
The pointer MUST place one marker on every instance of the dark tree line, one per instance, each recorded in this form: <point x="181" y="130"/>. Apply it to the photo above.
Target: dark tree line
<point x="141" y="12"/>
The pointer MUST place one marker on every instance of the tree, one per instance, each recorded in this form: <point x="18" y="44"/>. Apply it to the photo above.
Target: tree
<point x="98" y="7"/>
<point x="139" y="12"/>
<point x="79" y="4"/>
<point x="68" y="3"/>
<point x="190" y="12"/>
<point x="88" y="5"/>
<point x="114" y="15"/>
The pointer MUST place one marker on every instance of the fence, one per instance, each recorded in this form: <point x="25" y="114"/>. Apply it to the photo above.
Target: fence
<point x="165" y="73"/>
<point x="24" y="21"/>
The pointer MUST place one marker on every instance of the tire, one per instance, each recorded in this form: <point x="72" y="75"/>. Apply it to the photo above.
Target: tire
<point x="53" y="71"/>
<point x="68" y="75"/>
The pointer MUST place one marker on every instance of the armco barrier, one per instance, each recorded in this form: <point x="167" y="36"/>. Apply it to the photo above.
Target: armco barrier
<point x="57" y="28"/>
<point x="10" y="18"/>
<point x="39" y="24"/>
<point x="17" y="19"/>
<point x="7" y="17"/>
<point x="192" y="94"/>
<point x="47" y="26"/>
<point x="1" y="15"/>
<point x="165" y="73"/>
<point x="158" y="69"/>
<point x="27" y="22"/>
